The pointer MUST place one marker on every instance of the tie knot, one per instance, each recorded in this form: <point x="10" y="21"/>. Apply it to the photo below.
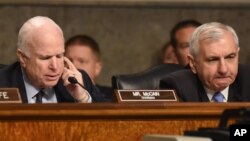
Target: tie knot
<point x="218" y="97"/>
<point x="39" y="96"/>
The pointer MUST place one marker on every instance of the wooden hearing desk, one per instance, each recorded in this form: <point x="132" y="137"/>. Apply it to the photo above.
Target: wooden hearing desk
<point x="105" y="122"/>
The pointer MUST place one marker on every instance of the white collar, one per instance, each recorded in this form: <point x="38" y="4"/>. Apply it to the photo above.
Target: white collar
<point x="210" y="93"/>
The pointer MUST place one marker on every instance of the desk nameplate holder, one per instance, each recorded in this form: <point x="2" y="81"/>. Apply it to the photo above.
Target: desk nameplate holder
<point x="146" y="96"/>
<point x="10" y="95"/>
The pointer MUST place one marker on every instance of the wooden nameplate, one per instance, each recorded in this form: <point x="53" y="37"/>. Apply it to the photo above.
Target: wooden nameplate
<point x="10" y="95"/>
<point x="146" y="96"/>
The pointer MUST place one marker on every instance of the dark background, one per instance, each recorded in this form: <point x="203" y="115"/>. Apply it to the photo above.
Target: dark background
<point x="130" y="33"/>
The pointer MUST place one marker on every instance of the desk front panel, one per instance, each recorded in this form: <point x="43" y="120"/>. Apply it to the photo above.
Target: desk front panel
<point x="104" y="122"/>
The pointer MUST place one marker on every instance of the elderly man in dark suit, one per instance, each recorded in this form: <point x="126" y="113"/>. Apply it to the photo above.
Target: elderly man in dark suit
<point x="42" y="71"/>
<point x="214" y="75"/>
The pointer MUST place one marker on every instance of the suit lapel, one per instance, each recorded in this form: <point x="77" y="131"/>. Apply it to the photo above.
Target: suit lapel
<point x="201" y="91"/>
<point x="234" y="93"/>
<point x="62" y="94"/>
<point x="18" y="82"/>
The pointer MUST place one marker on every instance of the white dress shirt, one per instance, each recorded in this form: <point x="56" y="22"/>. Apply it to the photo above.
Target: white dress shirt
<point x="210" y="94"/>
<point x="49" y="93"/>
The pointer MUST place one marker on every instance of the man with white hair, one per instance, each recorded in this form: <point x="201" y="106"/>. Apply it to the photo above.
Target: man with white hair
<point x="42" y="72"/>
<point x="214" y="75"/>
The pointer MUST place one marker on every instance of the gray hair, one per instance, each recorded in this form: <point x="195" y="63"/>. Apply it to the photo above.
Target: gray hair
<point x="210" y="32"/>
<point x="26" y="32"/>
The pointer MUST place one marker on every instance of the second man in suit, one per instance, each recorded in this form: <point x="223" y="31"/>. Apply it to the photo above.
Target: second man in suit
<point x="214" y="74"/>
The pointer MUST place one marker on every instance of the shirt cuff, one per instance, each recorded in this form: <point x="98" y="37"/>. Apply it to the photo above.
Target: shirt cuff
<point x="88" y="100"/>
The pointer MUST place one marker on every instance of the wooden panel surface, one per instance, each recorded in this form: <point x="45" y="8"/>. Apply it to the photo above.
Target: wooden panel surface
<point x="105" y="122"/>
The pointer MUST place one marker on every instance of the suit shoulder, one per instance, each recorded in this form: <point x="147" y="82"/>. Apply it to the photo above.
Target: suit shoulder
<point x="9" y="70"/>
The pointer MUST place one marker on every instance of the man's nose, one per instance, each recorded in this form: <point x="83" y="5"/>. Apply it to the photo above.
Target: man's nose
<point x="53" y="63"/>
<point x="223" y="66"/>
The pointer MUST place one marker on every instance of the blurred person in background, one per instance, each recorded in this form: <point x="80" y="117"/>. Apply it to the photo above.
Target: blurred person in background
<point x="179" y="36"/>
<point x="168" y="55"/>
<point x="85" y="54"/>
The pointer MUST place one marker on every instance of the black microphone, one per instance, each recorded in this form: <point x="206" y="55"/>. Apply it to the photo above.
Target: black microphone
<point x="73" y="80"/>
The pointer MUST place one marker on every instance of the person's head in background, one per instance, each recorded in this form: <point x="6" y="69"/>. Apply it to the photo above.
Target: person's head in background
<point x="168" y="54"/>
<point x="84" y="52"/>
<point x="214" y="51"/>
<point x="179" y="36"/>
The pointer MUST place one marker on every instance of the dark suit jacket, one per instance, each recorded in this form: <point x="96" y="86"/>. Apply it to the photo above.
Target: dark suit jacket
<point x="106" y="92"/>
<point x="190" y="89"/>
<point x="11" y="77"/>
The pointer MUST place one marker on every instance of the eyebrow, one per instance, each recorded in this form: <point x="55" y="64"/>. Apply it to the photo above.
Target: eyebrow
<point x="227" y="56"/>
<point x="48" y="56"/>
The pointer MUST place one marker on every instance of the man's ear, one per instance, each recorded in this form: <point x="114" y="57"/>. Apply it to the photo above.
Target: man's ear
<point x="98" y="68"/>
<point x="192" y="63"/>
<point x="21" y="57"/>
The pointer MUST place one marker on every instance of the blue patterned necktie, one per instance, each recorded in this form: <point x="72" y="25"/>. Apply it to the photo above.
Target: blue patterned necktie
<point x="218" y="97"/>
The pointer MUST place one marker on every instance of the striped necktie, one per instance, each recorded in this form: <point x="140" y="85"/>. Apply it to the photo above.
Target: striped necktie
<point x="218" y="97"/>
<point x="39" y="96"/>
